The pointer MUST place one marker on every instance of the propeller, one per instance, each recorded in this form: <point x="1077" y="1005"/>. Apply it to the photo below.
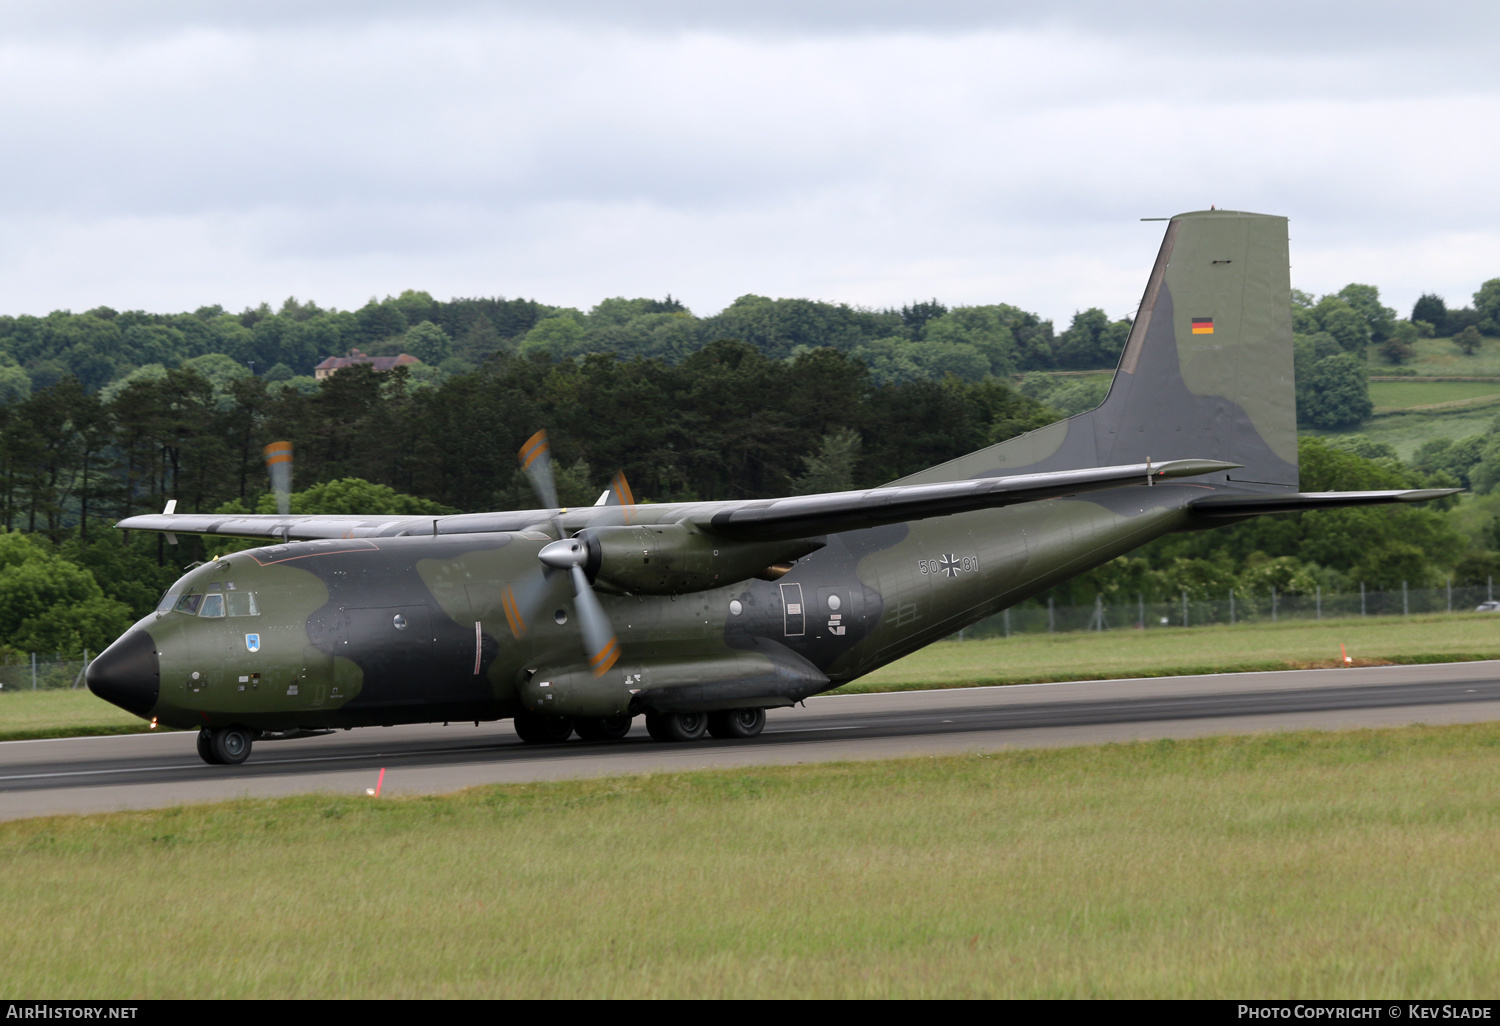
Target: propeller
<point x="568" y="554"/>
<point x="279" y="466"/>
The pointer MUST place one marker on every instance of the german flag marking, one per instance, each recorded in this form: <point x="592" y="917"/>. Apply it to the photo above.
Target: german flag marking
<point x="534" y="447"/>
<point x="606" y="657"/>
<point x="1203" y="325"/>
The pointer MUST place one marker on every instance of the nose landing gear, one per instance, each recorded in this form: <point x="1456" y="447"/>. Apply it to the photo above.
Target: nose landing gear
<point x="224" y="746"/>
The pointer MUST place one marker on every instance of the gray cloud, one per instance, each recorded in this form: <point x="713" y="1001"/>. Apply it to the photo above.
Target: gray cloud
<point x="167" y="155"/>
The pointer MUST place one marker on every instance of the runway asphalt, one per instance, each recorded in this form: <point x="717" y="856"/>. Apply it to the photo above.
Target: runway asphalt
<point x="74" y="775"/>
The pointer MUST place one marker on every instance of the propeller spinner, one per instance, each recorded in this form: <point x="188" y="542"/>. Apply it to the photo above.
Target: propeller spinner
<point x="568" y="554"/>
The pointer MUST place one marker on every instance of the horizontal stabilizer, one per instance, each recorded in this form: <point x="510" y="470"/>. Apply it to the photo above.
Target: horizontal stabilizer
<point x="805" y="515"/>
<point x="1292" y="502"/>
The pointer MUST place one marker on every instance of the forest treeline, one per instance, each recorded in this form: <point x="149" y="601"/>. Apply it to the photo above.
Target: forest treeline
<point x="106" y="414"/>
<point x="926" y="341"/>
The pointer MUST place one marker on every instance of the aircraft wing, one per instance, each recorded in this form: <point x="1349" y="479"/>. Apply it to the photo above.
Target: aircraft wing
<point x="273" y="526"/>
<point x="1292" y="502"/>
<point x="794" y="517"/>
<point x="805" y="515"/>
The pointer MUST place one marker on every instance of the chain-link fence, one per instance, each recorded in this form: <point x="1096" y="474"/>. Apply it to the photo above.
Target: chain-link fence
<point x="39" y="674"/>
<point x="1231" y="608"/>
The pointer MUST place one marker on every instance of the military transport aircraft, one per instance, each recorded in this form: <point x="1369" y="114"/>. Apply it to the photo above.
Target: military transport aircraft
<point x="702" y="615"/>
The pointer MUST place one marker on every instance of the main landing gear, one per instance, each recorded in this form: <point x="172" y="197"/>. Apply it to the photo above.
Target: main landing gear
<point x="727" y="723"/>
<point x="224" y="746"/>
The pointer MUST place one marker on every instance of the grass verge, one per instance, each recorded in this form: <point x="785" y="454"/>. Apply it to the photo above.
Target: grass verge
<point x="1174" y="651"/>
<point x="27" y="715"/>
<point x="1281" y="865"/>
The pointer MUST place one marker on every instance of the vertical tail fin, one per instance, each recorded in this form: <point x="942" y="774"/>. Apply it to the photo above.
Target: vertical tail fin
<point x="1206" y="372"/>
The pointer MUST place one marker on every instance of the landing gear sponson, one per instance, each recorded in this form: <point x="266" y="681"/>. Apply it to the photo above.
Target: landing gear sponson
<point x="688" y="726"/>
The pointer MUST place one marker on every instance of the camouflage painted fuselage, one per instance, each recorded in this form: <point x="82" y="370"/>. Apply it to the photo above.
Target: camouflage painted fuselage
<point x="399" y="630"/>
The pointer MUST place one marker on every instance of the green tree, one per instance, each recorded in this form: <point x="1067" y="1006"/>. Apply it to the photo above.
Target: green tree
<point x="1338" y="394"/>
<point x="1468" y="340"/>
<point x="560" y="335"/>
<point x="1365" y="301"/>
<point x="832" y="467"/>
<point x="1487" y="305"/>
<point x="1402" y="343"/>
<point x="48" y="604"/>
<point x="1431" y="308"/>
<point x="1344" y="323"/>
<point x="428" y="343"/>
<point x="1091" y="341"/>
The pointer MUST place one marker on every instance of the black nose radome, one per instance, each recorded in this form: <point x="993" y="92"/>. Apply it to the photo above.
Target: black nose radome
<point x="128" y="673"/>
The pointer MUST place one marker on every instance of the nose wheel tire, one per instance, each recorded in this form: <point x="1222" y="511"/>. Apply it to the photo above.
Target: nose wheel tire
<point x="605" y="728"/>
<point x="737" y="723"/>
<point x="542" y="730"/>
<point x="677" y="726"/>
<point x="230" y="746"/>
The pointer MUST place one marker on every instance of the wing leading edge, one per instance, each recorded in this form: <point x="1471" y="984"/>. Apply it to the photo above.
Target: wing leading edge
<point x="796" y="517"/>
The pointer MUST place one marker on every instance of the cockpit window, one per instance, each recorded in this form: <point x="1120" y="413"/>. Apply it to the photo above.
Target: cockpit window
<point x="221" y="600"/>
<point x="242" y="603"/>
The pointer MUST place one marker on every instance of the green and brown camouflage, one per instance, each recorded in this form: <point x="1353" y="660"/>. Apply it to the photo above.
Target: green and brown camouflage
<point x="725" y="608"/>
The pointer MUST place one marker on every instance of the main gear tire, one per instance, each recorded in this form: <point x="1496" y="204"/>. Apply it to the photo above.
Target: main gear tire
<point x="690" y="726"/>
<point x="206" y="747"/>
<point x="542" y="730"/>
<point x="231" y="745"/>
<point x="737" y="723"/>
<point x="602" y="728"/>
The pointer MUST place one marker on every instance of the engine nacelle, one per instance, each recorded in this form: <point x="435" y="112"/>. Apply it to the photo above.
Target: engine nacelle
<point x="671" y="559"/>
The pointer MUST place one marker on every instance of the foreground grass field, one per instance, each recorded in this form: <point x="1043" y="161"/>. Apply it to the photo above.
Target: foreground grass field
<point x="1306" y="865"/>
<point x="1172" y="651"/>
<point x="1021" y="659"/>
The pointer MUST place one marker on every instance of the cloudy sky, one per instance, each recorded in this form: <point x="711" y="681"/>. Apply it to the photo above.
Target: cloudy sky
<point x="167" y="155"/>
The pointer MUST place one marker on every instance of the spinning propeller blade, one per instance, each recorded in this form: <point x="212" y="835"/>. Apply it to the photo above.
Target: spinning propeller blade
<point x="600" y="643"/>
<point x="279" y="466"/>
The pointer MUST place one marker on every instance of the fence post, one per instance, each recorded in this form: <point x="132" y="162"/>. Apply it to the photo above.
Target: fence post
<point x="1007" y="622"/>
<point x="1140" y="610"/>
<point x="1450" y="594"/>
<point x="1405" y="606"/>
<point x="1231" y="607"/>
<point x="1491" y="593"/>
<point x="1184" y="607"/>
<point x="1361" y="598"/>
<point x="33" y="671"/>
<point x="1051" y="621"/>
<point x="1318" y="591"/>
<point x="1273" y="603"/>
<point x="1098" y="612"/>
